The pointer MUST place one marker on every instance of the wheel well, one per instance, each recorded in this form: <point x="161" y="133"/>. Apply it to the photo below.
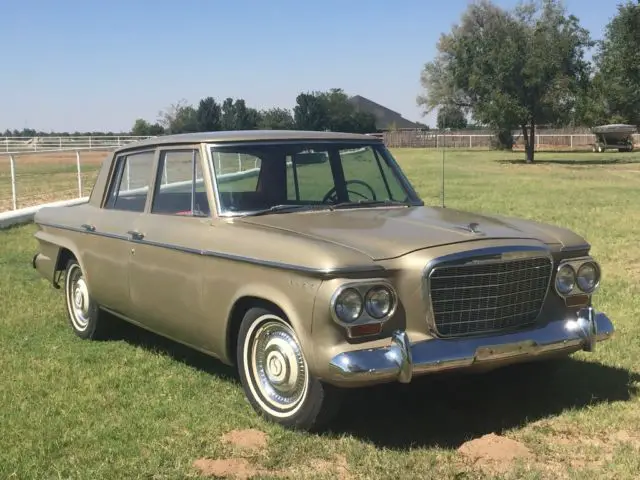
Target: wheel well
<point x="64" y="255"/>
<point x="240" y="308"/>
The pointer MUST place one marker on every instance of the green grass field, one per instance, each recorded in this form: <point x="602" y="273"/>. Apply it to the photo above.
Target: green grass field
<point x="143" y="407"/>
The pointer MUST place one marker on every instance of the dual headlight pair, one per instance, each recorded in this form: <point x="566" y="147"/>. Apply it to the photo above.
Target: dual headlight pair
<point x="363" y="302"/>
<point x="585" y="275"/>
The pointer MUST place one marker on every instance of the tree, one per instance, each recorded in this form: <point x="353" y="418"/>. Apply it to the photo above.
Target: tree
<point x="510" y="69"/>
<point x="310" y="113"/>
<point x="180" y="117"/>
<point x="276" y="119"/>
<point x="237" y="116"/>
<point x="363" y="122"/>
<point x="143" y="128"/>
<point x="339" y="110"/>
<point x="156" y="129"/>
<point x="331" y="110"/>
<point x="246" y="118"/>
<point x="590" y="108"/>
<point x="208" y="115"/>
<point x="618" y="61"/>
<point x="451" y="116"/>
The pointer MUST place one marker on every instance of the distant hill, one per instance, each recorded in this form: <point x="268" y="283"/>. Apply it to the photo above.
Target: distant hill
<point x="386" y="118"/>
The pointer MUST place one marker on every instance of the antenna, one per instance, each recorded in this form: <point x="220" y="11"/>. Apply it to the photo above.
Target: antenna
<point x="444" y="148"/>
<point x="443" y="154"/>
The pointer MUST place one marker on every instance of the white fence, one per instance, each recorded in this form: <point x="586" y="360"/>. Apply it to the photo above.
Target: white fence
<point x="483" y="141"/>
<point x="37" y="171"/>
<point x="46" y="144"/>
<point x="29" y="164"/>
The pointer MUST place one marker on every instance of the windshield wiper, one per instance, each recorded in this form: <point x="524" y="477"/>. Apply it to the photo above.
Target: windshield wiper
<point x="282" y="208"/>
<point x="370" y="203"/>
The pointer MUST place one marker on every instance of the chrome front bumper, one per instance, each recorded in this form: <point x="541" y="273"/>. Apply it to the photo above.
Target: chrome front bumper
<point x="401" y="359"/>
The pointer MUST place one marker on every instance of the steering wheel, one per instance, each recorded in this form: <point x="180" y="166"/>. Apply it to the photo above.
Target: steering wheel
<point x="332" y="194"/>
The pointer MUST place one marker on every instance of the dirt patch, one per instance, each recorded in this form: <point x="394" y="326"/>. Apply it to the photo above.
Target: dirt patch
<point x="248" y="439"/>
<point x="493" y="452"/>
<point x="623" y="436"/>
<point x="240" y="469"/>
<point x="338" y="467"/>
<point x="237" y="468"/>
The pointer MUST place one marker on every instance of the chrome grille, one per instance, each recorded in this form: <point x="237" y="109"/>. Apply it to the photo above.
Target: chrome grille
<point x="479" y="298"/>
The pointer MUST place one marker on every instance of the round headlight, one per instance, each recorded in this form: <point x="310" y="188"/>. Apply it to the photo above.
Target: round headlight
<point x="378" y="302"/>
<point x="588" y="277"/>
<point x="348" y="305"/>
<point x="565" y="279"/>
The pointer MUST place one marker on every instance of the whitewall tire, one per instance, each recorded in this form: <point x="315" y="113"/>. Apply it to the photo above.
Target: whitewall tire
<point x="275" y="375"/>
<point x="86" y="319"/>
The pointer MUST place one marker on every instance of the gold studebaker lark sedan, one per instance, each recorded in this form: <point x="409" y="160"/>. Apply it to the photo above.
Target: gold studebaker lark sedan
<point x="308" y="261"/>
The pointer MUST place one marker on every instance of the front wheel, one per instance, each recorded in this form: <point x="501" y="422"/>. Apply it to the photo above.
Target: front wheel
<point x="275" y="376"/>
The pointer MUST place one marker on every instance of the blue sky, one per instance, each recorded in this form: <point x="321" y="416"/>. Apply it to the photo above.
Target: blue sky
<point x="88" y="65"/>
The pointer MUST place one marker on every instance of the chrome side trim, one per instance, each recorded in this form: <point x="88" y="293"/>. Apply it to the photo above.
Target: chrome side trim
<point x="320" y="272"/>
<point x="480" y="256"/>
<point x="400" y="360"/>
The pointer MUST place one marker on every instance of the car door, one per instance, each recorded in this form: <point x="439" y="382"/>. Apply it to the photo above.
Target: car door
<point x="108" y="247"/>
<point x="166" y="264"/>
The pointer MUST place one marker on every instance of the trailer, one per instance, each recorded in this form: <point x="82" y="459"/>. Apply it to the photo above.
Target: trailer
<point x="619" y="136"/>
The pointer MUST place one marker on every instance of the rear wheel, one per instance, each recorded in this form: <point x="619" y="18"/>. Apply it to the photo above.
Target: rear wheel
<point x="275" y="375"/>
<point x="86" y="319"/>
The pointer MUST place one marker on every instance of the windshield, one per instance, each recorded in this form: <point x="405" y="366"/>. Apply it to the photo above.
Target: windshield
<point x="287" y="177"/>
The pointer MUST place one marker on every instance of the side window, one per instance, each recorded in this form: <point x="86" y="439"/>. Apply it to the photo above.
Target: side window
<point x="226" y="164"/>
<point x="309" y="176"/>
<point x="130" y="182"/>
<point x="180" y="186"/>
<point x="370" y="176"/>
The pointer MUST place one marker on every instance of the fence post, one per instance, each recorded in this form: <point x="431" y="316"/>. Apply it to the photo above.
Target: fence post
<point x="12" y="162"/>
<point x="90" y="143"/>
<point x="79" y="174"/>
<point x="470" y="138"/>
<point x="571" y="141"/>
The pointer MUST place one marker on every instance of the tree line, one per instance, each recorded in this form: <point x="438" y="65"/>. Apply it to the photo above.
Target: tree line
<point x="320" y="110"/>
<point x="330" y="110"/>
<point x="516" y="69"/>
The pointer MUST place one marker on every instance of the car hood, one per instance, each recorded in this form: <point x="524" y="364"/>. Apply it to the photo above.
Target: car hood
<point x="384" y="233"/>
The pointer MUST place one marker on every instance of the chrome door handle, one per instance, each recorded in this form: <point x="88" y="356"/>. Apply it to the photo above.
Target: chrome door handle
<point x="135" y="235"/>
<point x="88" y="228"/>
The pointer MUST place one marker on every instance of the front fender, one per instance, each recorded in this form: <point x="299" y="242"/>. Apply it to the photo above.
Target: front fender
<point x="295" y="297"/>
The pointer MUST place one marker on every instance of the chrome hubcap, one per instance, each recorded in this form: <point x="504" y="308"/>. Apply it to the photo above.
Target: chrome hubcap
<point x="78" y="298"/>
<point x="81" y="297"/>
<point x="278" y="368"/>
